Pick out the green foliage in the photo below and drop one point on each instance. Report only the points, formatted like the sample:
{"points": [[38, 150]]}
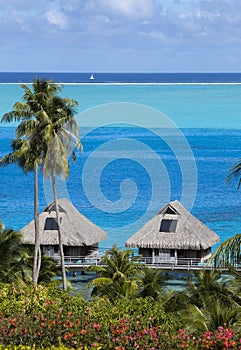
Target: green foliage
{"points": [[48, 270], [228, 253], [208, 302], [14, 257], [103, 311], [205, 284], [118, 278], [46, 316], [37, 317], [25, 298], [16, 261], [152, 283], [210, 317]]}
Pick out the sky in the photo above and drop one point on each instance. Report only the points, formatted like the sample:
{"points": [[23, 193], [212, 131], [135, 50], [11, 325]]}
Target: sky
{"points": [[120, 35]]}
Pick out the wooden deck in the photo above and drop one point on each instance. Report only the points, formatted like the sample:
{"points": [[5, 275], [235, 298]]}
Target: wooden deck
{"points": [[80, 263]]}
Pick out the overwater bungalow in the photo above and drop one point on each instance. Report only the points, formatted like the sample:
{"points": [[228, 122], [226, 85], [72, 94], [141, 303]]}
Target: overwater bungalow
{"points": [[80, 236], [174, 236]]}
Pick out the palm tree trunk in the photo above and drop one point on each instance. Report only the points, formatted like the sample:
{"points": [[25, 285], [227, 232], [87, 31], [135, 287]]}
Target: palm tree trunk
{"points": [[61, 250], [39, 260], [37, 256]]}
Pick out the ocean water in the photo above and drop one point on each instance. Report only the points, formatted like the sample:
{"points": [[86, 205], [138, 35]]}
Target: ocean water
{"points": [[120, 78], [148, 139]]}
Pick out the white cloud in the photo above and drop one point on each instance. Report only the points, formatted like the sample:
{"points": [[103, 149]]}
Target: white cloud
{"points": [[130, 8], [57, 18]]}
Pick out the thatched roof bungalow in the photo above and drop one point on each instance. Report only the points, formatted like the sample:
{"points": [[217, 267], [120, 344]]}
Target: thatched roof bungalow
{"points": [[80, 236], [174, 235]]}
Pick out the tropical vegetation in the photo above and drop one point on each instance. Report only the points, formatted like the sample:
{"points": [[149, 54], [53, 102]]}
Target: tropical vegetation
{"points": [[45, 317], [14, 257], [16, 263], [130, 306]]}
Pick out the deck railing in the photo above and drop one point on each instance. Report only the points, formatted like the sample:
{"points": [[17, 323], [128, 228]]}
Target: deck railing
{"points": [[171, 262], [82, 260], [186, 263], [181, 264]]}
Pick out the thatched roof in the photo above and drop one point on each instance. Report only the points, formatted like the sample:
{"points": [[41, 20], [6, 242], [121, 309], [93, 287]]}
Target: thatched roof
{"points": [[77, 230], [173, 228]]}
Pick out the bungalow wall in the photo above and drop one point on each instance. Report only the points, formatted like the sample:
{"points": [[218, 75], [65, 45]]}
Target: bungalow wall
{"points": [[177, 256], [70, 251], [202, 254]]}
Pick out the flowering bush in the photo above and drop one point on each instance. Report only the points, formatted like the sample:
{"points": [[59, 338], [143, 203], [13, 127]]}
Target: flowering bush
{"points": [[132, 333], [54, 320]]}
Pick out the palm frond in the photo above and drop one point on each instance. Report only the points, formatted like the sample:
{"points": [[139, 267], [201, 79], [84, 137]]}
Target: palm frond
{"points": [[7, 159], [234, 173], [228, 253], [100, 281]]}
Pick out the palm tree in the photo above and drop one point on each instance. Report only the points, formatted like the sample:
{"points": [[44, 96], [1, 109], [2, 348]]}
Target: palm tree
{"points": [[45, 136], [235, 173], [61, 135], [234, 285], [228, 253], [14, 257], [27, 147], [152, 283], [49, 269], [216, 313], [119, 276], [206, 284], [208, 301], [16, 261]]}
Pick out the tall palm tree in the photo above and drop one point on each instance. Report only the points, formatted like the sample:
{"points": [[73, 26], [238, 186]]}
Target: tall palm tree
{"points": [[47, 133], [61, 135], [27, 148], [119, 276]]}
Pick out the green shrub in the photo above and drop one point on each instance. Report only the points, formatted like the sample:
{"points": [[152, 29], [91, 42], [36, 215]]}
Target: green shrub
{"points": [[38, 317]]}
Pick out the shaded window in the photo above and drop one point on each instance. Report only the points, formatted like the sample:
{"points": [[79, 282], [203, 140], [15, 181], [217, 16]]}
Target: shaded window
{"points": [[172, 253], [50, 224], [170, 210], [156, 252], [168, 225]]}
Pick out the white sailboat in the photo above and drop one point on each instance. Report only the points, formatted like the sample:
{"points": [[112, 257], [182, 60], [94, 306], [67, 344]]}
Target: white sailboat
{"points": [[92, 77]]}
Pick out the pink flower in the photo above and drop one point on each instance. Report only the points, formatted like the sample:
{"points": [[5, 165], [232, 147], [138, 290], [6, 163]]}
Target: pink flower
{"points": [[96, 326]]}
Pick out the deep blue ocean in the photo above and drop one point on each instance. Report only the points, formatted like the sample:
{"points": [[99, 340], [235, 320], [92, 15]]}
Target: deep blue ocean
{"points": [[148, 138], [118, 78]]}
